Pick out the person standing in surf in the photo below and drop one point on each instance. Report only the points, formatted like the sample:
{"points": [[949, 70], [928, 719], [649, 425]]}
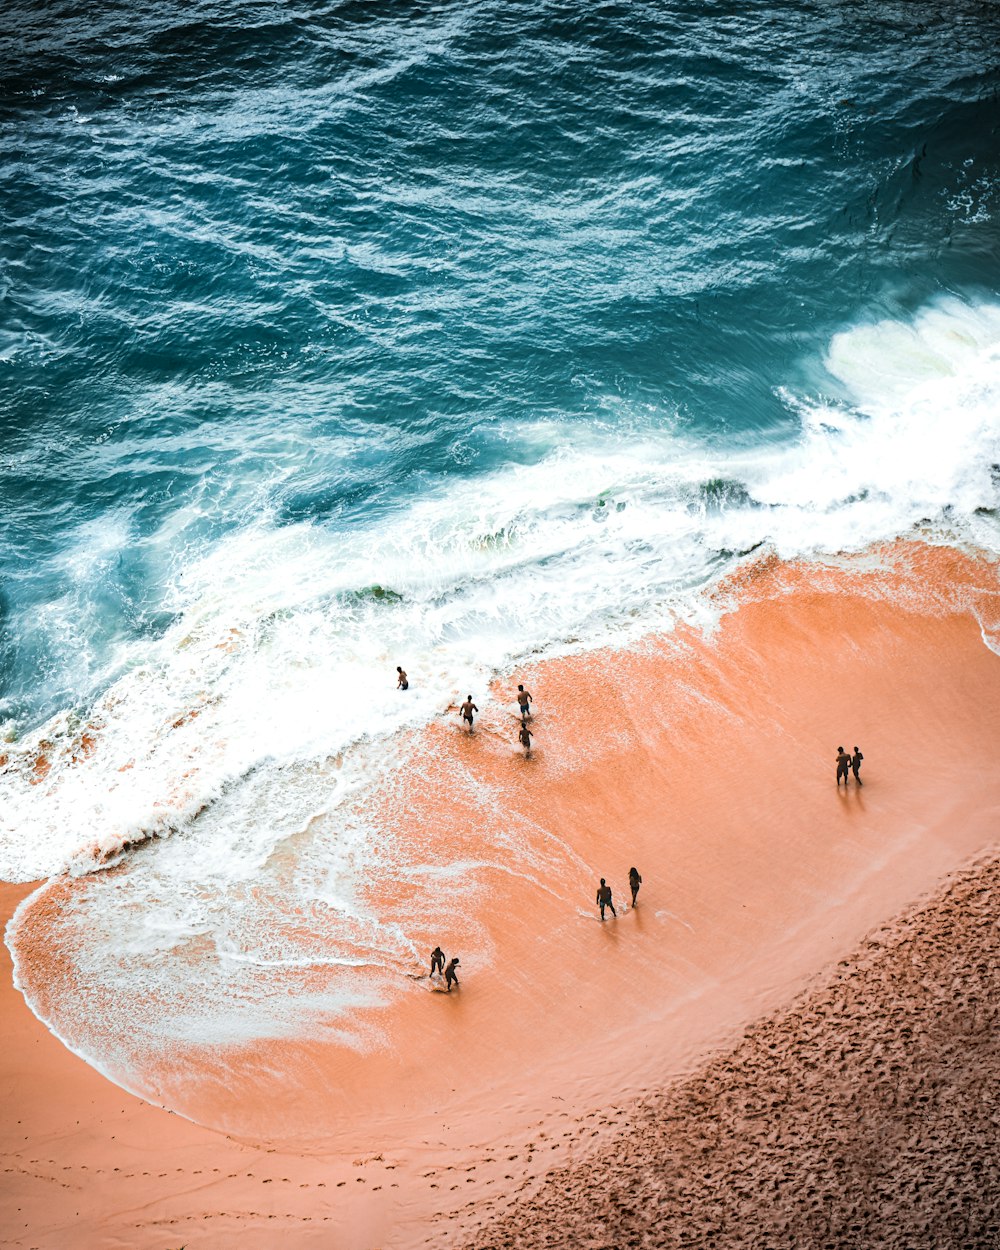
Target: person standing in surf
{"points": [[467, 708], [437, 960], [843, 765], [856, 759], [523, 702], [450, 975], [634, 881], [604, 898], [402, 683], [524, 737]]}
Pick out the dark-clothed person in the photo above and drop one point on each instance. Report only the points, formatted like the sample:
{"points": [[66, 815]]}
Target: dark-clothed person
{"points": [[604, 898]]}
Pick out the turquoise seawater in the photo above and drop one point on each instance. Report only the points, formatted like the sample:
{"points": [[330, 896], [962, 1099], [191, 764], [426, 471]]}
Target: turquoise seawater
{"points": [[343, 336], [311, 264]]}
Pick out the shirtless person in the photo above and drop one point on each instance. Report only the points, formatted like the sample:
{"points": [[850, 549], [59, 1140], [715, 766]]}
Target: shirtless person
{"points": [[437, 960], [523, 701], [604, 898], [402, 683], [524, 737], [843, 765], [467, 708], [856, 759], [450, 974]]}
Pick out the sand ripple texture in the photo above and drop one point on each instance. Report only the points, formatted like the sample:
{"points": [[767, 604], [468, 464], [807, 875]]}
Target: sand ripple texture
{"points": [[867, 1115]]}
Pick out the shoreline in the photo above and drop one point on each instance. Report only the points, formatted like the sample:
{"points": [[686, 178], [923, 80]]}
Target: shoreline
{"points": [[756, 874]]}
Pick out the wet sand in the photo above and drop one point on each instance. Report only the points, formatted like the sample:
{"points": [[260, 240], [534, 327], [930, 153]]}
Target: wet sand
{"points": [[707, 762]]}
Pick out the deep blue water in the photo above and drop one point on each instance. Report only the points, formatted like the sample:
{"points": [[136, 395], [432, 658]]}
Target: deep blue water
{"points": [[277, 265]]}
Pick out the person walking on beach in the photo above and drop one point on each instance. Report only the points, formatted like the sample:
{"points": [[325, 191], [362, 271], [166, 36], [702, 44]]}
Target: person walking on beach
{"points": [[450, 975], [402, 683], [634, 881], [467, 708], [523, 702], [843, 765], [856, 759], [604, 898], [437, 960], [524, 737]]}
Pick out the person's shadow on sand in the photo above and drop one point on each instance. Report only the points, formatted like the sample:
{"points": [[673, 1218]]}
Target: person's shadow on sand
{"points": [[854, 796]]}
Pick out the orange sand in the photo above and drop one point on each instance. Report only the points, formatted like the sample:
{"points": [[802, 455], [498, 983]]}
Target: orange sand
{"points": [[708, 763], [866, 1115]]}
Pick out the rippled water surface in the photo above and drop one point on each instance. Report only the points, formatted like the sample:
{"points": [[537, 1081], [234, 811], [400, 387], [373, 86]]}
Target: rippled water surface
{"points": [[309, 266]]}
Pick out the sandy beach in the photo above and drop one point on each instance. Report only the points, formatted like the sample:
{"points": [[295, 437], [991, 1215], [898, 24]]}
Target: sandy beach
{"points": [[707, 761], [866, 1114]]}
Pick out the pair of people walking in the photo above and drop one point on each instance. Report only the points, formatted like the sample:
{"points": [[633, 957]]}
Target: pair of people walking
{"points": [[604, 897], [438, 966], [847, 763]]}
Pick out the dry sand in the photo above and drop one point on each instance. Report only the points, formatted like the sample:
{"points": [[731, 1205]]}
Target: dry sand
{"points": [[708, 762]]}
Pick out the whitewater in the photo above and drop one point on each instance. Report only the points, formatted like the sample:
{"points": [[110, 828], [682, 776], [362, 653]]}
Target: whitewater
{"points": [[284, 638]]}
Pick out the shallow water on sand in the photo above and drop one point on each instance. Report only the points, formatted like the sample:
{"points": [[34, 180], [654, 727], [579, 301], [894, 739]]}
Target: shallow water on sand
{"points": [[454, 339]]}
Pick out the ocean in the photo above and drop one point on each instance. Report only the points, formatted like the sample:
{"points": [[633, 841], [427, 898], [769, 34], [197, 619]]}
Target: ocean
{"points": [[458, 337]]}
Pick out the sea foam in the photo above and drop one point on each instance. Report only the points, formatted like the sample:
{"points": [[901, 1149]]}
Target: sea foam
{"points": [[284, 638]]}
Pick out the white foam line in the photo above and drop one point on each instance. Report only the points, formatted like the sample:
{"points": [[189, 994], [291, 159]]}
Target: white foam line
{"points": [[93, 1060], [258, 961], [670, 916]]}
